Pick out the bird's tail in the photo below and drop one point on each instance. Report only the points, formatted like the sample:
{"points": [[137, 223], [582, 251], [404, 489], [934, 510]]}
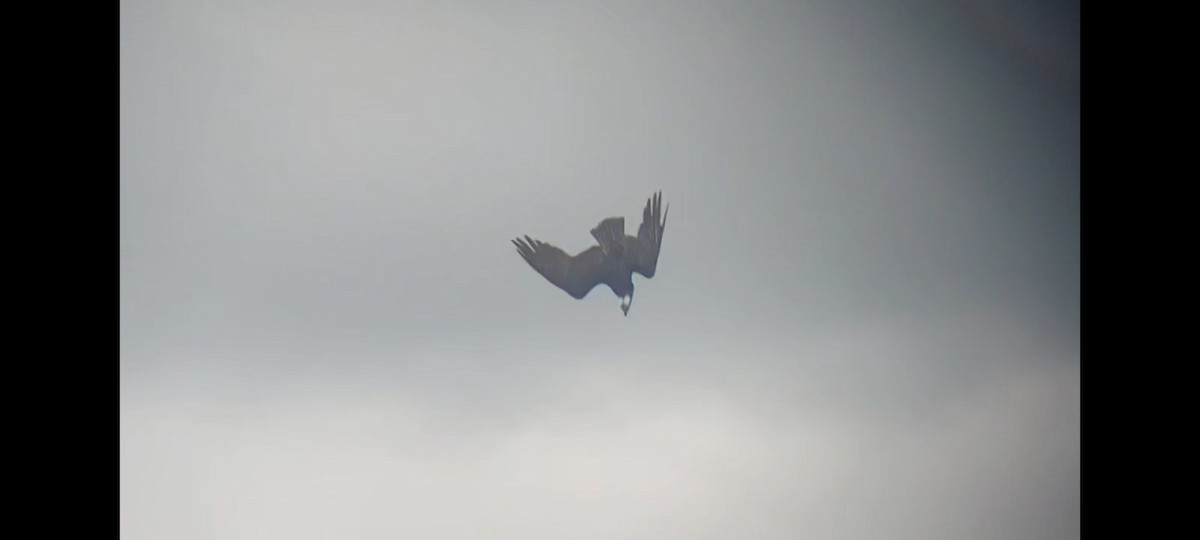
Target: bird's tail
{"points": [[611, 235]]}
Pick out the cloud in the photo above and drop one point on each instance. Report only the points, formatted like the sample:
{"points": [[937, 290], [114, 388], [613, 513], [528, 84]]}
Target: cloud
{"points": [[855, 449]]}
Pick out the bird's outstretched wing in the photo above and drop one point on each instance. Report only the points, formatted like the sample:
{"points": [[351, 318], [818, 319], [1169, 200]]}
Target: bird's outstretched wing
{"points": [[650, 234], [577, 275]]}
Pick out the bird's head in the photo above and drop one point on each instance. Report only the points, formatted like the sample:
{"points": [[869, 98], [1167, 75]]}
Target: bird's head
{"points": [[625, 302]]}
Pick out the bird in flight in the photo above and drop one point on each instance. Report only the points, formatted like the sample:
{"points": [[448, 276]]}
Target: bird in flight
{"points": [[611, 263]]}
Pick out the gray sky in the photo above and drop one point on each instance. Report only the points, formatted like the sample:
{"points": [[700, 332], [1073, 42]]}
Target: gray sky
{"points": [[865, 322]]}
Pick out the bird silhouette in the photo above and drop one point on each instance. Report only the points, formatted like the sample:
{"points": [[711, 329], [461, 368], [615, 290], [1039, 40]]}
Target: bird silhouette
{"points": [[611, 263]]}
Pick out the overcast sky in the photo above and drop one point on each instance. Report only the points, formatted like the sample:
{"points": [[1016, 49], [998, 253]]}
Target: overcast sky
{"points": [[865, 321]]}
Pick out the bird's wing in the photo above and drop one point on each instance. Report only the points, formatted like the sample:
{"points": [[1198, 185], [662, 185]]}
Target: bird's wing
{"points": [[577, 275], [650, 234]]}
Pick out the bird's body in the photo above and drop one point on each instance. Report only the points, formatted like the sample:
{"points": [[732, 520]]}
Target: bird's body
{"points": [[612, 262]]}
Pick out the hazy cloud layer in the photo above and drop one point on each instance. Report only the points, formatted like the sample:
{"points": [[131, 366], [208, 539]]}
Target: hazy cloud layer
{"points": [[865, 321]]}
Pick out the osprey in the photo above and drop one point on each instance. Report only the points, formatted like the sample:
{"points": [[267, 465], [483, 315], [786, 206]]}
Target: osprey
{"points": [[612, 263]]}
